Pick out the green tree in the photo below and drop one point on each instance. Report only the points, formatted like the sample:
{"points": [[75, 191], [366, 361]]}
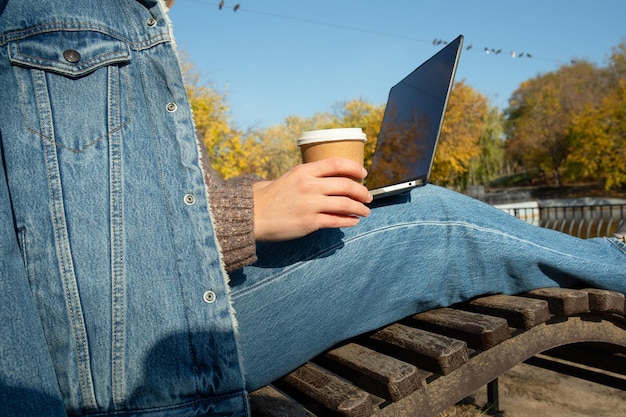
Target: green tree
{"points": [[489, 164]]}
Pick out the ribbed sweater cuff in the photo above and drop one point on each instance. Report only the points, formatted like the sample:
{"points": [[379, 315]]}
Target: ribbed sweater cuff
{"points": [[232, 205]]}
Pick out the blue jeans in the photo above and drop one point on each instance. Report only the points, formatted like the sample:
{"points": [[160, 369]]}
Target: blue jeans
{"points": [[430, 248]]}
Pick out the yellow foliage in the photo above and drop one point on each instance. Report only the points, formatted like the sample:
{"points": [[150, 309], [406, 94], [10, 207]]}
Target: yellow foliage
{"points": [[229, 153], [566, 122], [462, 128], [367, 116], [541, 113], [279, 143], [271, 152], [599, 139]]}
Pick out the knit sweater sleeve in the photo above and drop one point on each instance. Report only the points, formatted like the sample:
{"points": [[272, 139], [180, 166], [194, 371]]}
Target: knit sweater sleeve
{"points": [[232, 207]]}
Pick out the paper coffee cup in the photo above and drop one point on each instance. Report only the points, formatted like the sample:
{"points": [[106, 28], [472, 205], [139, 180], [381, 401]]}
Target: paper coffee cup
{"points": [[333, 143]]}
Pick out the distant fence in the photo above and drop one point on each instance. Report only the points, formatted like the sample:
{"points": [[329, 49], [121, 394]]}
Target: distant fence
{"points": [[584, 221]]}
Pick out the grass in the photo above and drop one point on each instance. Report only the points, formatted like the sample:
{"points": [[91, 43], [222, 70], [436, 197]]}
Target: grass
{"points": [[463, 410]]}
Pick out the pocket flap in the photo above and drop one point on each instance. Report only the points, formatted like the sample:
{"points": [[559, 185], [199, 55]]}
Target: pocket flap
{"points": [[69, 53]]}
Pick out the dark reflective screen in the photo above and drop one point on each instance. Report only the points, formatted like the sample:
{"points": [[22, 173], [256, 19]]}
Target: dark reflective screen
{"points": [[412, 121]]}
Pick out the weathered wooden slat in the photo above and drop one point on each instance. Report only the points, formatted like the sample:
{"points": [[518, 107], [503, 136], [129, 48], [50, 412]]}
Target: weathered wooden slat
{"points": [[431, 351], [563, 302], [399, 378], [269, 402], [478, 330], [332, 393], [519, 312], [606, 301]]}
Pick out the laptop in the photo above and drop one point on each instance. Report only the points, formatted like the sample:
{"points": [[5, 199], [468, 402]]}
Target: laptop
{"points": [[411, 125]]}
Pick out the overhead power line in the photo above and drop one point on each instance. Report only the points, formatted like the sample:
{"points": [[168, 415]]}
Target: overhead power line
{"points": [[487, 50]]}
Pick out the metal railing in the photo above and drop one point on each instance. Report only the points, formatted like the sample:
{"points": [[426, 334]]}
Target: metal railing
{"points": [[584, 221]]}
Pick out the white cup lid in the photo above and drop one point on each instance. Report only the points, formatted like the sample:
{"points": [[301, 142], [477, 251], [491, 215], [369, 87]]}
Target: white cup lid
{"points": [[330, 135]]}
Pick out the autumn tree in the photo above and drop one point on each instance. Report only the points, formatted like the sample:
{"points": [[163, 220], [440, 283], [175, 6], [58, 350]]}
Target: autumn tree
{"points": [[272, 151], [277, 148], [468, 121], [541, 112], [617, 63], [368, 116], [599, 140], [463, 126], [229, 152], [279, 143], [598, 134]]}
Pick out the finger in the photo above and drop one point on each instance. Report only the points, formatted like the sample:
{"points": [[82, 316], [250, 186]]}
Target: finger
{"points": [[336, 221], [341, 186], [345, 206], [333, 167]]}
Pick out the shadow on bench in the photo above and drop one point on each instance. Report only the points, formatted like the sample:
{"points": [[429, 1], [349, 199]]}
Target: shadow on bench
{"points": [[425, 363]]}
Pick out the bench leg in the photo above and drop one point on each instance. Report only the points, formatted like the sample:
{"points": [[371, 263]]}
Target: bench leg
{"points": [[493, 401]]}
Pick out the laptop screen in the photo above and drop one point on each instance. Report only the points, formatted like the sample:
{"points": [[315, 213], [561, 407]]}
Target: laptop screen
{"points": [[412, 121]]}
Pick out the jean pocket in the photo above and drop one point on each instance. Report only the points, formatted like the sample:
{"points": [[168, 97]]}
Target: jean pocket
{"points": [[74, 86]]}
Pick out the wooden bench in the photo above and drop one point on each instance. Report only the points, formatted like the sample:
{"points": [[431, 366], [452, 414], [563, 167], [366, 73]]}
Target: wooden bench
{"points": [[424, 364]]}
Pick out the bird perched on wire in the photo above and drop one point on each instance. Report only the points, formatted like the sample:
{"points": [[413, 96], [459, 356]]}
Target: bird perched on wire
{"points": [[221, 5], [236, 7]]}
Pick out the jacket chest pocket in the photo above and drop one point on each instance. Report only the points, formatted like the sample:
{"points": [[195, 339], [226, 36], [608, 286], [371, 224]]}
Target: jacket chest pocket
{"points": [[74, 86]]}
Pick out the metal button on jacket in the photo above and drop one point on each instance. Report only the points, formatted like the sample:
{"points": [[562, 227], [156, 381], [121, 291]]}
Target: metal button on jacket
{"points": [[71, 55], [209, 297], [189, 199]]}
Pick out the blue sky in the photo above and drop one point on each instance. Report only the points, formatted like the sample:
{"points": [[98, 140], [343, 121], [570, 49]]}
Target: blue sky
{"points": [[276, 58]]}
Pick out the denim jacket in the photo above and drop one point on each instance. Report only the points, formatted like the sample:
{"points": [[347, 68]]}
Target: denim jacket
{"points": [[114, 297]]}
